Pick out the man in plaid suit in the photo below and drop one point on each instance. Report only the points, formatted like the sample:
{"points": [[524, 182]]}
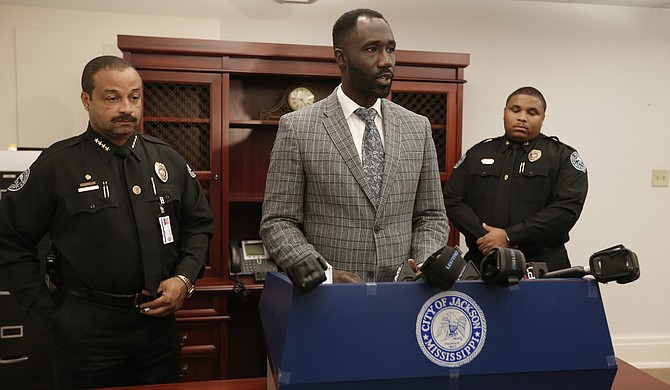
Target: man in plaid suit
{"points": [[319, 207]]}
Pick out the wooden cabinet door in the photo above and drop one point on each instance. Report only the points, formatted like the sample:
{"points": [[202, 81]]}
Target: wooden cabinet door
{"points": [[184, 110]]}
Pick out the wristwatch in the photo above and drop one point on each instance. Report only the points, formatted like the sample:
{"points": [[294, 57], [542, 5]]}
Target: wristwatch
{"points": [[190, 287]]}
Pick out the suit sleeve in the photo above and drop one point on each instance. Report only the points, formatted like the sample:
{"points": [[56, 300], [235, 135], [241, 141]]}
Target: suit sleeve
{"points": [[430, 228], [282, 218]]}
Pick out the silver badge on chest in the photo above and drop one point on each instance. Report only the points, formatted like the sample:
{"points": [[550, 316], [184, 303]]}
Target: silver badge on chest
{"points": [[161, 171]]}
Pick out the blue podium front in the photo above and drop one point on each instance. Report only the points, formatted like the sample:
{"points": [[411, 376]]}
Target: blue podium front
{"points": [[547, 334]]}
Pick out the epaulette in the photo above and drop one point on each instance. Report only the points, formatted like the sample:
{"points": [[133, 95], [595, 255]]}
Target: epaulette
{"points": [[59, 146], [153, 140], [555, 139], [485, 141]]}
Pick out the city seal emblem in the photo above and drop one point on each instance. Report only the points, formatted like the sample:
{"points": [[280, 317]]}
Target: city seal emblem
{"points": [[451, 329]]}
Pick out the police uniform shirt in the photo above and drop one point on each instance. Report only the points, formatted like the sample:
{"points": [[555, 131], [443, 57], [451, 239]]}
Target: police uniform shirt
{"points": [[75, 191], [535, 194]]}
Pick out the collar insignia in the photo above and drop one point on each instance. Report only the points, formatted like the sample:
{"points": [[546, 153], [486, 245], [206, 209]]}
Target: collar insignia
{"points": [[101, 144]]}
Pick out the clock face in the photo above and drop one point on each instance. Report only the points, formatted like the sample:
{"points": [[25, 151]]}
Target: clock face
{"points": [[300, 97]]}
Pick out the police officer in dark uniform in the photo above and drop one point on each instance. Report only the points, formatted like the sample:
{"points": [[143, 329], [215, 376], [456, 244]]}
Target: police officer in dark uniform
{"points": [[522, 190], [131, 227]]}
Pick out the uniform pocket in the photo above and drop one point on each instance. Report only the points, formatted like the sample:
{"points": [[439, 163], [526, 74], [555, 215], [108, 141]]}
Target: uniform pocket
{"points": [[88, 203], [483, 180], [535, 184]]}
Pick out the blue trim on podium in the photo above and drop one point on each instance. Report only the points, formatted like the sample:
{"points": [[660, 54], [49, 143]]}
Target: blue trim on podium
{"points": [[549, 333]]}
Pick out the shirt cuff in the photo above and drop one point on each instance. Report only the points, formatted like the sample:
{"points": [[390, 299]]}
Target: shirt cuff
{"points": [[329, 274]]}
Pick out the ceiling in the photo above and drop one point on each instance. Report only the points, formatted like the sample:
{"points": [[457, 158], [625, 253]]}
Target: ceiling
{"points": [[208, 8], [625, 3], [252, 8]]}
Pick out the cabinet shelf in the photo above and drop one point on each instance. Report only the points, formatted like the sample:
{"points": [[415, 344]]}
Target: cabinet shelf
{"points": [[161, 119], [246, 198], [252, 123]]}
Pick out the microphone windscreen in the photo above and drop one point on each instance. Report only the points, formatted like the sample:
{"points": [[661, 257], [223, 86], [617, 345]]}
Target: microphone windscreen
{"points": [[443, 267], [503, 266], [307, 273]]}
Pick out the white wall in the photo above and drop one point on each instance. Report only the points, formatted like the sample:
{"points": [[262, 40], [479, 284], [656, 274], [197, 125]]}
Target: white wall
{"points": [[603, 70]]}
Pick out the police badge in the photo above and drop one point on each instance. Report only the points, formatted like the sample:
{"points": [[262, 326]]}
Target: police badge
{"points": [[161, 171]]}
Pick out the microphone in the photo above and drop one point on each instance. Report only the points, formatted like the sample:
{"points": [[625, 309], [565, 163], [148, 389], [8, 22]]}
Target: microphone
{"points": [[441, 269], [444, 267], [503, 266], [616, 263]]}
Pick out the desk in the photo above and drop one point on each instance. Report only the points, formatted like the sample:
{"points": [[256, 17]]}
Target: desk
{"points": [[627, 378]]}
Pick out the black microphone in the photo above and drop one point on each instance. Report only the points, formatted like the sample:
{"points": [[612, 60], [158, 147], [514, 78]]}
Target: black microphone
{"points": [[616, 263], [503, 266], [572, 272], [444, 267], [441, 269]]}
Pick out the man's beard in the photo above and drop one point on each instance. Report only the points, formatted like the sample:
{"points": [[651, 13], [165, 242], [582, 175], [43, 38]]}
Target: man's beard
{"points": [[368, 85]]}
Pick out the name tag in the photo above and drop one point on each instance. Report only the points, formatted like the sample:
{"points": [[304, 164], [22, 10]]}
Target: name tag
{"points": [[166, 229]]}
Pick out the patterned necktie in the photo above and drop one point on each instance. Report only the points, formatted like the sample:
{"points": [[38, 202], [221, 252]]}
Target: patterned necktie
{"points": [[144, 220], [373, 152]]}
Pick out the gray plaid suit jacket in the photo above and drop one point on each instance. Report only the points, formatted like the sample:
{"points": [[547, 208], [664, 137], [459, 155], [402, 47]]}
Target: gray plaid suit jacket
{"points": [[317, 200]]}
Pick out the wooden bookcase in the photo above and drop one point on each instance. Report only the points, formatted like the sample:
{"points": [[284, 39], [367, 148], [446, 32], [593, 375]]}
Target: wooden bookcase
{"points": [[205, 98]]}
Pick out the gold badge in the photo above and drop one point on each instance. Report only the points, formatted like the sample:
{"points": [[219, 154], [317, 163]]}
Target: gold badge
{"points": [[161, 171], [534, 155]]}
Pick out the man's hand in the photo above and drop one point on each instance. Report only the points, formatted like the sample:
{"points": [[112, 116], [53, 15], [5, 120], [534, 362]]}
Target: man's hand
{"points": [[345, 277], [494, 237], [414, 267], [171, 296]]}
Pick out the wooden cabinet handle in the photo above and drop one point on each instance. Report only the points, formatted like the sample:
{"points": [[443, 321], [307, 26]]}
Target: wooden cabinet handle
{"points": [[14, 361], [184, 339], [183, 370]]}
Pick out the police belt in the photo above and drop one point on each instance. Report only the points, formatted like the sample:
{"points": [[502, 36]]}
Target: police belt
{"points": [[116, 300]]}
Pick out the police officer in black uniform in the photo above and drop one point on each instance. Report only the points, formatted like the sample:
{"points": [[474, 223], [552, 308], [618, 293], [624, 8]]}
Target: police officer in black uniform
{"points": [[522, 190], [131, 227]]}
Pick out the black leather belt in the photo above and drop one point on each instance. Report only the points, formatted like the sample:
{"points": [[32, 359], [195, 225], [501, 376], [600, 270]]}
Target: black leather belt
{"points": [[116, 300]]}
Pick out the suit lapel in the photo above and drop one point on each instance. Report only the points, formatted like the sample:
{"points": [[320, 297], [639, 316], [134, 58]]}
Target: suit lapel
{"points": [[392, 142], [338, 130]]}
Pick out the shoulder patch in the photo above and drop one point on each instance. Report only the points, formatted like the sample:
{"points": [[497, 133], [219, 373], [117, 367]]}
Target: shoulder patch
{"points": [[577, 162], [20, 181], [459, 162], [190, 171]]}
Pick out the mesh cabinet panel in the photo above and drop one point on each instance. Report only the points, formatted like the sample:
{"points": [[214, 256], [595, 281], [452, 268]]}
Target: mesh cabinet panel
{"points": [[432, 106], [179, 115]]}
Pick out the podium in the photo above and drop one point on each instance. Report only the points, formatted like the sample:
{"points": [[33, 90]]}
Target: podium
{"points": [[537, 334]]}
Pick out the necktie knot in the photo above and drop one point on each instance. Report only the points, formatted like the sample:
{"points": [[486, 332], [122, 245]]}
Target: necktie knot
{"points": [[123, 152], [366, 114]]}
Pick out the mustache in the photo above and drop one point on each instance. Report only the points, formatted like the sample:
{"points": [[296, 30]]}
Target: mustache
{"points": [[124, 118]]}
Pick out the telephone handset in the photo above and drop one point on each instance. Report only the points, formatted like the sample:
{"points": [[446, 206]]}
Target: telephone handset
{"points": [[249, 257]]}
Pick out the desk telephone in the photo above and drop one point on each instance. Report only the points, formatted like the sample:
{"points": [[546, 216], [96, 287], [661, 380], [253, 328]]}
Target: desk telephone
{"points": [[249, 257]]}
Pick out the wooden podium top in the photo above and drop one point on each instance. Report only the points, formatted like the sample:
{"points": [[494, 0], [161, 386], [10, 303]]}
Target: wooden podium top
{"points": [[627, 378]]}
